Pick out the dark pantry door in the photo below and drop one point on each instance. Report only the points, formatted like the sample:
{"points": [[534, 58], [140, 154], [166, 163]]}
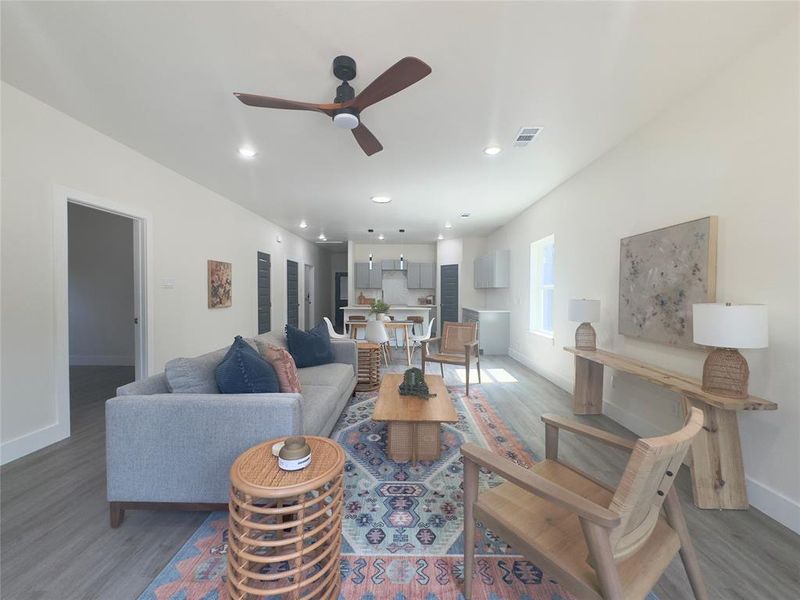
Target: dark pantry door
{"points": [[264, 293], [292, 294], [449, 300]]}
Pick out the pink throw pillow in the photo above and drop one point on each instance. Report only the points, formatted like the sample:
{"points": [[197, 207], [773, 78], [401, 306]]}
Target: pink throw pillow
{"points": [[284, 366]]}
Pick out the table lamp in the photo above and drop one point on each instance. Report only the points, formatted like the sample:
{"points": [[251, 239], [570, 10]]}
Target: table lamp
{"points": [[728, 327], [585, 312]]}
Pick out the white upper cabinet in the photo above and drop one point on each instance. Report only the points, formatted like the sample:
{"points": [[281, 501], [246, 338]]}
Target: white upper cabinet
{"points": [[492, 270]]}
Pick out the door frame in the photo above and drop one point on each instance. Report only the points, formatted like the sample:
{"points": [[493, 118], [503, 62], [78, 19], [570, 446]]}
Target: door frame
{"points": [[309, 295], [337, 292], [259, 254], [144, 337], [299, 263], [441, 294]]}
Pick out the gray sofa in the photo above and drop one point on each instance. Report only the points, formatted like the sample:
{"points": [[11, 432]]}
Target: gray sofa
{"points": [[175, 450]]}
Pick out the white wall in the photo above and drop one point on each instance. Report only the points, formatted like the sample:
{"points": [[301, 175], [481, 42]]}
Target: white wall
{"points": [[43, 148], [461, 252], [101, 307], [729, 149], [381, 251]]}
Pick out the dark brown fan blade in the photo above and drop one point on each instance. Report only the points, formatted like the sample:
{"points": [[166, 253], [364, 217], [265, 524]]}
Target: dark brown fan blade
{"points": [[399, 76], [267, 102], [368, 142]]}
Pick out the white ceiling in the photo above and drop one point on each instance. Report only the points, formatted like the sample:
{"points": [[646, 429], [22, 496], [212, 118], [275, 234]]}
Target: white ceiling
{"points": [[159, 78]]}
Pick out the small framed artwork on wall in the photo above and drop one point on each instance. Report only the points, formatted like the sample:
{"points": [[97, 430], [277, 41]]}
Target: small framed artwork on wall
{"points": [[661, 274], [219, 284]]}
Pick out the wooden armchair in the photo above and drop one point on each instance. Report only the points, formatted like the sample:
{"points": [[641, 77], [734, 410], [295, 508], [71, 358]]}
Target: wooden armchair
{"points": [[457, 346], [600, 543]]}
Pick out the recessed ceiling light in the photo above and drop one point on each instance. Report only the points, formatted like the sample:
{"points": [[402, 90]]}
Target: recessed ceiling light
{"points": [[464, 215], [246, 152], [492, 150], [441, 237], [448, 225], [380, 236], [303, 224], [321, 236], [381, 199]]}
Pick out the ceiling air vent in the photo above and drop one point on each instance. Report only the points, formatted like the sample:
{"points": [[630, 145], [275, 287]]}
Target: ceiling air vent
{"points": [[526, 135]]}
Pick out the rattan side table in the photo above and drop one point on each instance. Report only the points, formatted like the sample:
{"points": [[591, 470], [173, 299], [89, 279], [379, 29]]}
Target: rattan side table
{"points": [[369, 367], [285, 528]]}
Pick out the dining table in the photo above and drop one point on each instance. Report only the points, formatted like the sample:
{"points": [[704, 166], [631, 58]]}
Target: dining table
{"points": [[405, 326]]}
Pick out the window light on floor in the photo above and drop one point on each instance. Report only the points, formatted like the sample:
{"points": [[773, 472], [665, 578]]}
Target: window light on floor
{"points": [[487, 376]]}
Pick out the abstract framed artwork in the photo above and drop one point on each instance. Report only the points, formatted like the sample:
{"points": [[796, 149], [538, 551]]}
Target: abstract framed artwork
{"points": [[661, 274], [220, 284]]}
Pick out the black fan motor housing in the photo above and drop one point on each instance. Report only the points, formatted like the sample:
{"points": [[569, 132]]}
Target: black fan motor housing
{"points": [[344, 93], [344, 68]]}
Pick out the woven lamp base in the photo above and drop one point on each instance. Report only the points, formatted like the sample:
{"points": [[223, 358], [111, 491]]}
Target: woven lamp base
{"points": [[726, 373], [585, 337]]}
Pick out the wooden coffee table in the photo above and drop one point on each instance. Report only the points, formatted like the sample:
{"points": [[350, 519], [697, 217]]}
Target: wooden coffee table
{"points": [[414, 423]]}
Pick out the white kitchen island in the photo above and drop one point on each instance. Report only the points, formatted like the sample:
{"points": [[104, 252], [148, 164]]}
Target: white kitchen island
{"points": [[400, 312]]}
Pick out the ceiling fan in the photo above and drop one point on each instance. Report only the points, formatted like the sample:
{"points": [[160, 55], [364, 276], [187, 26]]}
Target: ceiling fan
{"points": [[347, 106]]}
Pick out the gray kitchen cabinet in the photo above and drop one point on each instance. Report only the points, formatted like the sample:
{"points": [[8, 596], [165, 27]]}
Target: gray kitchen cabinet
{"points": [[494, 329], [375, 277], [427, 276], [492, 270], [412, 275], [421, 276], [388, 264], [366, 279]]}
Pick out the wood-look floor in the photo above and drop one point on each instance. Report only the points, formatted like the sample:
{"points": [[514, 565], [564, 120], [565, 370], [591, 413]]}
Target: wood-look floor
{"points": [[57, 544]]}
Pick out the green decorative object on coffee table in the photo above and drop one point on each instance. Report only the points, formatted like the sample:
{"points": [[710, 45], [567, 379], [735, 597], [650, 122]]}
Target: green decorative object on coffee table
{"points": [[414, 384]]}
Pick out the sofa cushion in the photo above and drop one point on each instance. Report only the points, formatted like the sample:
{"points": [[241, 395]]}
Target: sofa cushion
{"points": [[244, 371], [264, 340], [338, 375], [284, 366], [319, 401], [194, 375], [309, 348]]}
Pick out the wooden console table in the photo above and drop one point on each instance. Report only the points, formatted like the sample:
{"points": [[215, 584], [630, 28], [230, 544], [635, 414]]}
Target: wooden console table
{"points": [[716, 456]]}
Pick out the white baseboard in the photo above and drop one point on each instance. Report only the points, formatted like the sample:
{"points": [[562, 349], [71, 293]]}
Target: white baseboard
{"points": [[104, 360], [769, 501], [774, 504], [562, 382], [31, 442]]}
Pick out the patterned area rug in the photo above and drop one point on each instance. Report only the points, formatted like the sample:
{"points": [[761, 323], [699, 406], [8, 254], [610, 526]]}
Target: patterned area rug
{"points": [[403, 525]]}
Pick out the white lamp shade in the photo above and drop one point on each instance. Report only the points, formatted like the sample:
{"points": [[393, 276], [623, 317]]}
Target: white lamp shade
{"points": [[730, 325], [584, 311]]}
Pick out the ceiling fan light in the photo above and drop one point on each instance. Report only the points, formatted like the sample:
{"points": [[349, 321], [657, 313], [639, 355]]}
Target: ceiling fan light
{"points": [[345, 120]]}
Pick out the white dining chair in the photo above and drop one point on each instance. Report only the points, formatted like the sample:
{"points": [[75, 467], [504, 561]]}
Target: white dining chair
{"points": [[332, 331], [376, 333], [416, 340]]}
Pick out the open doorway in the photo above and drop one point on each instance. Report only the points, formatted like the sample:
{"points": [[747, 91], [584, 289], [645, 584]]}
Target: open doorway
{"points": [[103, 306], [308, 290]]}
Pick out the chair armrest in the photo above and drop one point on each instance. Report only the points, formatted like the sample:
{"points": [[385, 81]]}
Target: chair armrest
{"points": [[345, 351], [589, 431], [539, 486], [433, 339]]}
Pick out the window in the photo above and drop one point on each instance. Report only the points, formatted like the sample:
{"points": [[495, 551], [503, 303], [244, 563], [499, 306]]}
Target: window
{"points": [[542, 284]]}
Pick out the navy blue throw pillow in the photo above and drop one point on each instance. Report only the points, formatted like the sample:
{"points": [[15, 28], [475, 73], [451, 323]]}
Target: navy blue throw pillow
{"points": [[309, 348], [243, 371]]}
